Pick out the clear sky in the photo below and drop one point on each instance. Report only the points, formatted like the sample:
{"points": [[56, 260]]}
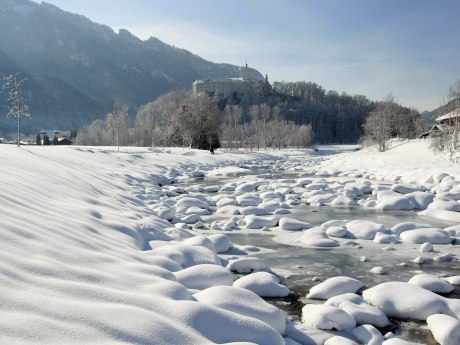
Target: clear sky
{"points": [[409, 48]]}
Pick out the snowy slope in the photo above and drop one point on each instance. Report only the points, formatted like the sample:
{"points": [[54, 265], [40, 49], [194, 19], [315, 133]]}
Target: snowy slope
{"points": [[73, 223], [410, 161]]}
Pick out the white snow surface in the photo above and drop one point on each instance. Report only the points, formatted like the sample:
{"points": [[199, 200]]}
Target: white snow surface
{"points": [[93, 250], [76, 223]]}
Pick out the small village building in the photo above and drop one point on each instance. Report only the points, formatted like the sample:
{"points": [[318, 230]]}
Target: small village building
{"points": [[446, 123]]}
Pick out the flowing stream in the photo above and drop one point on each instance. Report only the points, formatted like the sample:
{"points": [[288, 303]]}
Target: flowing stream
{"points": [[300, 265]]}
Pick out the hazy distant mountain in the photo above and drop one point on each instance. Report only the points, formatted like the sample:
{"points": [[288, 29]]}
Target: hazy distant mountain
{"points": [[77, 68], [430, 116]]}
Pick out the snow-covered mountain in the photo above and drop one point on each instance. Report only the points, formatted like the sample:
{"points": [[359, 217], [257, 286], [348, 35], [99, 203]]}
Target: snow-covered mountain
{"points": [[77, 68]]}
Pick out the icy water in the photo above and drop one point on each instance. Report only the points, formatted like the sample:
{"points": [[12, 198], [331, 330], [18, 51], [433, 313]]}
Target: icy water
{"points": [[299, 265]]}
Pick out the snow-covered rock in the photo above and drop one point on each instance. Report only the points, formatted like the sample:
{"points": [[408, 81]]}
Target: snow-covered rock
{"points": [[431, 282], [431, 235], [336, 231], [259, 222], [246, 265], [326, 317], [201, 277], [222, 243], [407, 301], [395, 203], [293, 224], [401, 227], [368, 334], [364, 229], [445, 329], [263, 284], [335, 286], [316, 238], [364, 313], [243, 302]]}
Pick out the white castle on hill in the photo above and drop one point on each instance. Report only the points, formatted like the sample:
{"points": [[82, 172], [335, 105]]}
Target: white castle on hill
{"points": [[230, 86]]}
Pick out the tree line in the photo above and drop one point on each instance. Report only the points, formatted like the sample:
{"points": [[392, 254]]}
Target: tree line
{"points": [[287, 114]]}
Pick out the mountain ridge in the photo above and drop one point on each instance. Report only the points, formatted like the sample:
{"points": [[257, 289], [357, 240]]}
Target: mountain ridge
{"points": [[92, 62]]}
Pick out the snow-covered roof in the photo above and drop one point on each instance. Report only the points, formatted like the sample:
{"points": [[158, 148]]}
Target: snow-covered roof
{"points": [[453, 114]]}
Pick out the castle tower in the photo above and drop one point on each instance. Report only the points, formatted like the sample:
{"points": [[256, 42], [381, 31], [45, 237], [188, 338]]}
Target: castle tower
{"points": [[245, 72]]}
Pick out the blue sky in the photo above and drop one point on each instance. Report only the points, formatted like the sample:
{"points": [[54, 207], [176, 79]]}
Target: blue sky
{"points": [[409, 48]]}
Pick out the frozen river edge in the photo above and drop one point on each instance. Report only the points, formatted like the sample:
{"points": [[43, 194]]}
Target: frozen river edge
{"points": [[119, 243]]}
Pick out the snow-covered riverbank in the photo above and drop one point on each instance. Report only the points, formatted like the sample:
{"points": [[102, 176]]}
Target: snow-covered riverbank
{"points": [[96, 245]]}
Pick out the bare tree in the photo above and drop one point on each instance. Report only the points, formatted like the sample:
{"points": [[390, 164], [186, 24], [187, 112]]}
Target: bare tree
{"points": [[381, 122], [117, 123], [256, 123], [17, 107]]}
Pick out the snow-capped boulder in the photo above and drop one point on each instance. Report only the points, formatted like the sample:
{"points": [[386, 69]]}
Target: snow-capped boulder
{"points": [[445, 329], [258, 222], [201, 277], [395, 203], [431, 282], [364, 229], [421, 200], [246, 265], [404, 188], [401, 227], [316, 238], [364, 313], [326, 317], [336, 231], [432, 235], [222, 242], [263, 284], [454, 280], [407, 301], [368, 335], [293, 224], [243, 302], [335, 286]]}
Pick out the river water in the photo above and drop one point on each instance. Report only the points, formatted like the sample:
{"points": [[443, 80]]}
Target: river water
{"points": [[298, 266]]}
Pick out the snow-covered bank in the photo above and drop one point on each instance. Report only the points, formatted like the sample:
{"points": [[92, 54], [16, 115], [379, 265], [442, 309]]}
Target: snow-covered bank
{"points": [[73, 226]]}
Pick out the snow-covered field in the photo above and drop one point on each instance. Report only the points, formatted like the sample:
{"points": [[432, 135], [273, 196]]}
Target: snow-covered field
{"points": [[101, 247]]}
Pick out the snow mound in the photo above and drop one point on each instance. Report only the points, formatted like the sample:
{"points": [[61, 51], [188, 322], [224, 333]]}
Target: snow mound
{"points": [[259, 222], [222, 243], [243, 302], [401, 227], [201, 277], [364, 229], [246, 265], [316, 238], [263, 284], [431, 235], [368, 334], [335, 286], [445, 329], [431, 282], [293, 224], [395, 203], [407, 301], [364, 313], [326, 317]]}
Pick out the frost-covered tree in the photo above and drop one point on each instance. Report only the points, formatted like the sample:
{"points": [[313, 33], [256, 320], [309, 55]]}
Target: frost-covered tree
{"points": [[154, 118], [17, 108], [381, 122], [117, 123], [196, 124]]}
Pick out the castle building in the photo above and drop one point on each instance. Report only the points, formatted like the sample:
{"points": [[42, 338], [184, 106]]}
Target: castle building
{"points": [[228, 86]]}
